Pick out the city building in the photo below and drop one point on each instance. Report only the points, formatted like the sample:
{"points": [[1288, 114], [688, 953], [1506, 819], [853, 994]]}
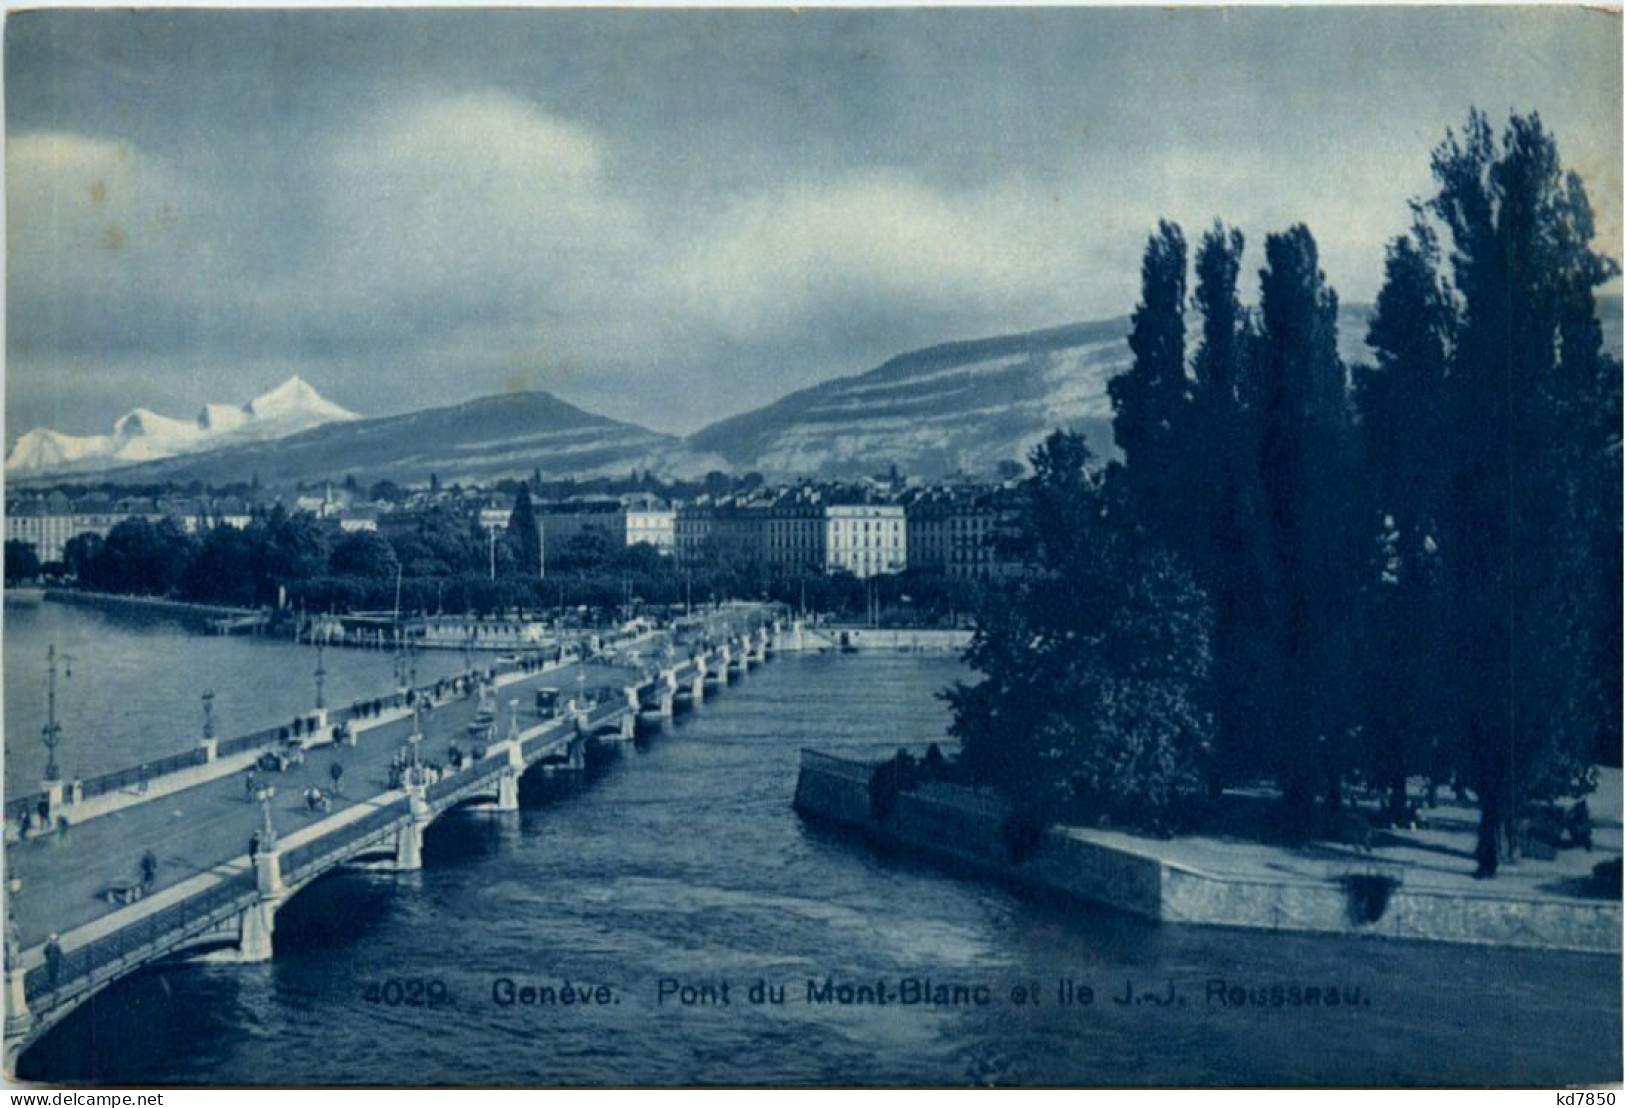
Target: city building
{"points": [[865, 539], [495, 513], [358, 519], [652, 524], [48, 524], [795, 531], [692, 530], [738, 534], [929, 515], [974, 529], [561, 523]]}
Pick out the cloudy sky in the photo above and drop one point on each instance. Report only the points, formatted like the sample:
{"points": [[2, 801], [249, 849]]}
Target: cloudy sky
{"points": [[669, 217]]}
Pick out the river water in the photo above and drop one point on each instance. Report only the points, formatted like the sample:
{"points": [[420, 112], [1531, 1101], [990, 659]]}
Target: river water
{"points": [[137, 677], [679, 865]]}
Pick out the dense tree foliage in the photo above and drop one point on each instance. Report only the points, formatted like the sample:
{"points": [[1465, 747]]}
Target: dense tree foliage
{"points": [[1531, 514], [1093, 663], [1305, 474], [524, 537], [364, 554], [1408, 568], [22, 563]]}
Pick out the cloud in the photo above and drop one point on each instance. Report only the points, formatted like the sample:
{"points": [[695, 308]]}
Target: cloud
{"points": [[865, 243], [100, 235], [472, 195], [464, 242]]}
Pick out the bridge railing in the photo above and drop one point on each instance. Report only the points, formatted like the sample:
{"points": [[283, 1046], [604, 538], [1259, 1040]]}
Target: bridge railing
{"points": [[80, 969], [304, 860], [263, 737], [21, 807], [143, 773], [463, 780]]}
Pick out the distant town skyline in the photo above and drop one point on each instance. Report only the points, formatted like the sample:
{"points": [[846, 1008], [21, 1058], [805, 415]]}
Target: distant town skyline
{"points": [[670, 217]]}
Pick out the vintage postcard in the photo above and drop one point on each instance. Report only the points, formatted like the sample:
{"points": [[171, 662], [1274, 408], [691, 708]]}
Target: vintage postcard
{"points": [[826, 547]]}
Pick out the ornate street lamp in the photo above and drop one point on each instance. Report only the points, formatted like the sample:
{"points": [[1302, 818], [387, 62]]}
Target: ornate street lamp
{"points": [[14, 941], [264, 795], [51, 733]]}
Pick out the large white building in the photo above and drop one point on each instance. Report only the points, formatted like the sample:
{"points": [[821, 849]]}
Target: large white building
{"points": [[655, 526], [865, 539], [49, 531]]}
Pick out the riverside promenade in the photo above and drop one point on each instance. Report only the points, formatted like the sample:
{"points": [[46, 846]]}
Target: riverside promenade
{"points": [[1409, 885], [216, 895]]}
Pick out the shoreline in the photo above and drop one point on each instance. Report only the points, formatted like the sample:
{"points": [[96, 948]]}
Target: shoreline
{"points": [[91, 599], [1149, 878]]}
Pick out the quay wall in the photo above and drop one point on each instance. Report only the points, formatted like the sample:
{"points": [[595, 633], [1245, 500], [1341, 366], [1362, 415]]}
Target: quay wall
{"points": [[963, 827], [89, 598], [832, 637]]}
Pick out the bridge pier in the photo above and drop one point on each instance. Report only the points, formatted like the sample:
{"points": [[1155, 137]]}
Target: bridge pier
{"points": [[629, 720], [19, 1020], [508, 779], [668, 694], [508, 791], [257, 925], [409, 839]]}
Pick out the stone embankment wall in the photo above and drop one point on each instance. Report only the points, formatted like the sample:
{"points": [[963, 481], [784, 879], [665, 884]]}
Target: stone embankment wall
{"points": [[964, 827], [831, 637]]}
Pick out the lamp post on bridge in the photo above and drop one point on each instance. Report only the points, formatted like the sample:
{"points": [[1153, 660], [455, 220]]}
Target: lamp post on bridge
{"points": [[413, 742], [14, 942], [51, 733], [18, 1019], [264, 794], [321, 678]]}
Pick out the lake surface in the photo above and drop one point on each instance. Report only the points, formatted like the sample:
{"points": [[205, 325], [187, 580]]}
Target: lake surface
{"points": [[681, 862], [137, 678]]}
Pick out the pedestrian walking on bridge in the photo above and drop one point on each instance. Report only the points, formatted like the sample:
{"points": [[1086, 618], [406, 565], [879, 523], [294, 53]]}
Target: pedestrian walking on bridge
{"points": [[53, 959]]}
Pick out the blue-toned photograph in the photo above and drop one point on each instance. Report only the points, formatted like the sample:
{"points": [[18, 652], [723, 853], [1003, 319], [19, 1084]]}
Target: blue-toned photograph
{"points": [[840, 548]]}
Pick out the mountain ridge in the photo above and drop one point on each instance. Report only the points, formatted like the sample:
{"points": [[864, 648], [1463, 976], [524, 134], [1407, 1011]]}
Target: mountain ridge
{"points": [[483, 438], [143, 435], [965, 406]]}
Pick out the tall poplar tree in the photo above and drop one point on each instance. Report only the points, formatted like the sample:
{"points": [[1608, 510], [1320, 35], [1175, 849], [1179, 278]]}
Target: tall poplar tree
{"points": [[1531, 515], [1221, 537], [524, 537], [1304, 477], [1404, 449], [1151, 398]]}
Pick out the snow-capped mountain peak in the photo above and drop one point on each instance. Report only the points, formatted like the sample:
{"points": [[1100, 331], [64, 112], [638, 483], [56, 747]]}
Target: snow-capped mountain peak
{"points": [[142, 434], [221, 417], [294, 396]]}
